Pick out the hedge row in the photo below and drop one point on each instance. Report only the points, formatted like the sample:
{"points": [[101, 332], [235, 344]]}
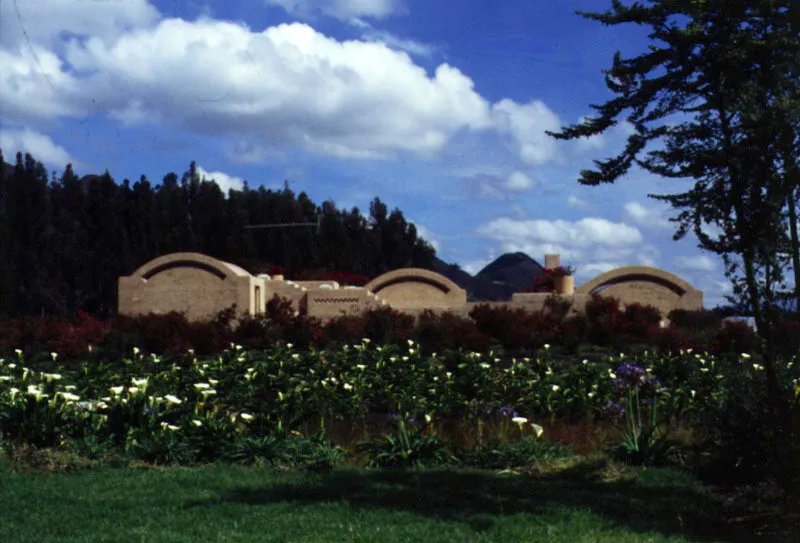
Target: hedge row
{"points": [[604, 325]]}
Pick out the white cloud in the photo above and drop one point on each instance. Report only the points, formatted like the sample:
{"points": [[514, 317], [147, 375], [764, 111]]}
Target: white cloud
{"points": [[40, 146], [352, 11], [586, 239], [247, 152], [425, 233], [527, 123], [34, 85], [577, 203], [519, 182], [46, 22], [287, 85], [695, 263], [224, 180], [589, 271], [412, 47], [474, 266], [647, 217]]}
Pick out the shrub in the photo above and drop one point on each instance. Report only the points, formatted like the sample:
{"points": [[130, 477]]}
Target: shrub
{"points": [[694, 320], [438, 332], [787, 336], [383, 325], [735, 337], [515, 328], [637, 321], [740, 425], [70, 338], [517, 454], [603, 315], [404, 449], [170, 333], [672, 340]]}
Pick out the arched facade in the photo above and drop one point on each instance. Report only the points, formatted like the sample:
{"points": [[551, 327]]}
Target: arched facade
{"points": [[645, 285], [415, 288], [194, 284]]}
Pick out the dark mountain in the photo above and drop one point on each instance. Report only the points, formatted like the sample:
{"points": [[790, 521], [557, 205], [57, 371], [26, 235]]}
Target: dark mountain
{"points": [[455, 274], [509, 273]]}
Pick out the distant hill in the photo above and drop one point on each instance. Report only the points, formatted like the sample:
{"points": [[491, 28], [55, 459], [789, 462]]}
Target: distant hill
{"points": [[498, 281]]}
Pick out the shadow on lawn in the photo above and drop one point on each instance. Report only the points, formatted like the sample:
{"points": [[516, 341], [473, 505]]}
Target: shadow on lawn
{"points": [[474, 497]]}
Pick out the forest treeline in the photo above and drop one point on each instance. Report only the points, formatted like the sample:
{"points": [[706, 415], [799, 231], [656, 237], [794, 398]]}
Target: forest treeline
{"points": [[64, 240]]}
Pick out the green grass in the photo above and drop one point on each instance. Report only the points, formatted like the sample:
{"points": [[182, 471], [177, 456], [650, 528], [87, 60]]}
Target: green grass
{"points": [[581, 502]]}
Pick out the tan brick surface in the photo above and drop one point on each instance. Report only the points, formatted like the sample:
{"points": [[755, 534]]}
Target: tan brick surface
{"points": [[199, 286]]}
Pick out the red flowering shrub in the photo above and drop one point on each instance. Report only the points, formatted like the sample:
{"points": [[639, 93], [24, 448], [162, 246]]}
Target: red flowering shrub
{"points": [[69, 338], [787, 336], [694, 320], [575, 332], [437, 332], [383, 326], [170, 333], [516, 328], [277, 323], [636, 321], [735, 337], [673, 339], [603, 314], [557, 307], [75, 337]]}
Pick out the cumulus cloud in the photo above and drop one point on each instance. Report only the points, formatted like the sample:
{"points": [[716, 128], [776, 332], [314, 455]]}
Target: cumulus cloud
{"points": [[225, 181], [47, 22], [647, 217], [352, 11], [585, 239], [287, 85], [34, 85], [40, 146], [527, 124]]}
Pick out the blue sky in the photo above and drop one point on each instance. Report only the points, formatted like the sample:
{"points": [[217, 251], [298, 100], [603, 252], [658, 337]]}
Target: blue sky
{"points": [[438, 111]]}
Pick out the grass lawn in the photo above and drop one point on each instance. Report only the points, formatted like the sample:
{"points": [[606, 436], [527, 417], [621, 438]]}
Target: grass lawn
{"points": [[229, 503]]}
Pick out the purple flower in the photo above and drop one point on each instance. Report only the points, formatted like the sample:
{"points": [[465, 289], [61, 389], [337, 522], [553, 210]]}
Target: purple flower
{"points": [[629, 377]]}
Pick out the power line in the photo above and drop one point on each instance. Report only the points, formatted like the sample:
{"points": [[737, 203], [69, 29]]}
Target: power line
{"points": [[318, 224]]}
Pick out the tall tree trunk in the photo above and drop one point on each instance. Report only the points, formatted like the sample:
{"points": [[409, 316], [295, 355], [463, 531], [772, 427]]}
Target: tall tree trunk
{"points": [[779, 408], [790, 170]]}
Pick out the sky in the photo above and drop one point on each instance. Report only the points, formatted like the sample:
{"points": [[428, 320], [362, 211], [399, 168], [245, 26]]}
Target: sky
{"points": [[440, 112]]}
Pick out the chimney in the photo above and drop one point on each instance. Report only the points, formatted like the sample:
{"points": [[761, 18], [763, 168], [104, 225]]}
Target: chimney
{"points": [[552, 261]]}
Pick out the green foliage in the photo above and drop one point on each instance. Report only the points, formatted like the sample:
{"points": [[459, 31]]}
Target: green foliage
{"points": [[404, 448], [249, 406], [49, 231], [518, 454]]}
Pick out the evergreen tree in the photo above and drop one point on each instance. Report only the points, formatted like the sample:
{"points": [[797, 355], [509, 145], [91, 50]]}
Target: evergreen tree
{"points": [[715, 100]]}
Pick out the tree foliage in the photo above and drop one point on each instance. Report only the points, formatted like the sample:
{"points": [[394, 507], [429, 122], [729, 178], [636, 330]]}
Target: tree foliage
{"points": [[64, 242], [716, 99]]}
